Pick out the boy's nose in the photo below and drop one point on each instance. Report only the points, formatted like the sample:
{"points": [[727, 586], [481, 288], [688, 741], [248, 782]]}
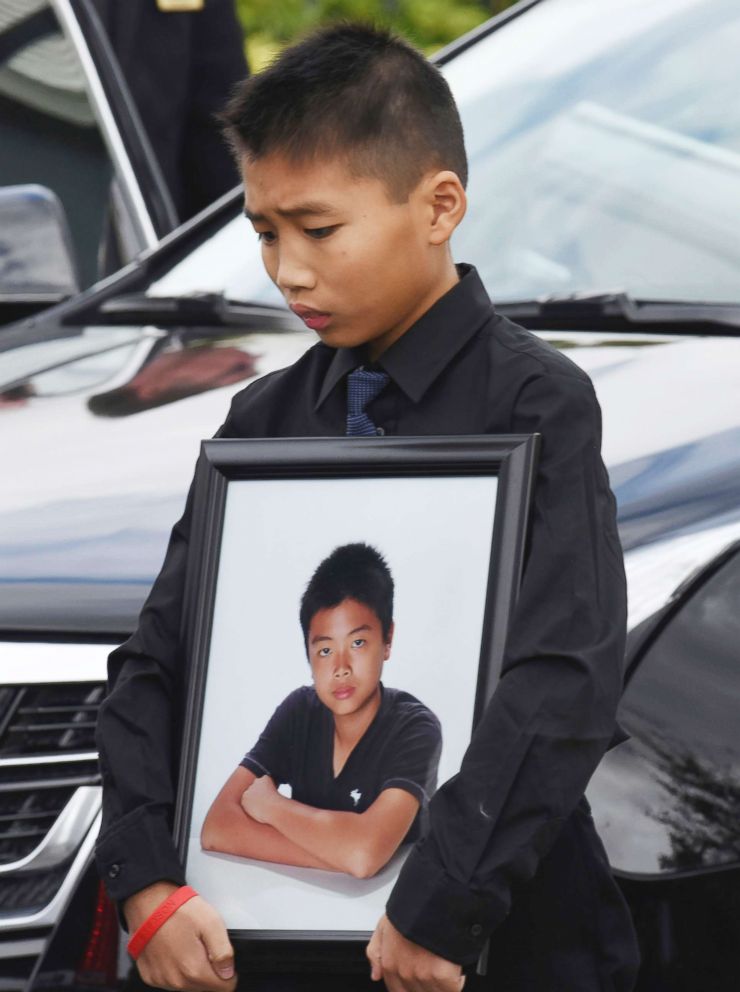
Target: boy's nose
{"points": [[292, 274], [341, 667]]}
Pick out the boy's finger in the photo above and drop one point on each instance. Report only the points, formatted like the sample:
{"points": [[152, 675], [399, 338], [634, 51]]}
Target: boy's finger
{"points": [[373, 952], [376, 967], [218, 948]]}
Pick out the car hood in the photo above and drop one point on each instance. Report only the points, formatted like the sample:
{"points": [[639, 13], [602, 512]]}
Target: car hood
{"points": [[671, 438], [91, 490]]}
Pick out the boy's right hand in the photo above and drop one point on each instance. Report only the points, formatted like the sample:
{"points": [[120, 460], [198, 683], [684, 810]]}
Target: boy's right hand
{"points": [[190, 952]]}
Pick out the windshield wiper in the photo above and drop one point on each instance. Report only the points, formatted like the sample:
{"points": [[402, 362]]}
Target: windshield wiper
{"points": [[197, 310], [618, 310]]}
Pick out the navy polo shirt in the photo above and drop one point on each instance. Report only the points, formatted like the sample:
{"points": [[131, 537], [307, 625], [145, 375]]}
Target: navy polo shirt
{"points": [[399, 750]]}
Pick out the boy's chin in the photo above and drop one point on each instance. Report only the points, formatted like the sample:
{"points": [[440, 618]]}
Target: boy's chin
{"points": [[342, 337], [338, 339]]}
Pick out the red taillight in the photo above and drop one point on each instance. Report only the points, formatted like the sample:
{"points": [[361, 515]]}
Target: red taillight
{"points": [[99, 963]]}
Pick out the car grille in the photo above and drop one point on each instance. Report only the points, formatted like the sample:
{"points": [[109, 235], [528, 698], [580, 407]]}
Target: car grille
{"points": [[49, 787], [48, 719], [29, 892], [32, 797]]}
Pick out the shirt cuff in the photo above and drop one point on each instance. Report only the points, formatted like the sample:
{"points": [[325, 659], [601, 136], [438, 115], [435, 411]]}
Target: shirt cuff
{"points": [[441, 914], [136, 852]]}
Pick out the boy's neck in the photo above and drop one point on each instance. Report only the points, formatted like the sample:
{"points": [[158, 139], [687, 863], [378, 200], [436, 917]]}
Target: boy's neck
{"points": [[447, 280], [349, 728]]}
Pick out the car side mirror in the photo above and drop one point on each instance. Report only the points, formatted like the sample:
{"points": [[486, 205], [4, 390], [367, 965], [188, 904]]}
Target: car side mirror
{"points": [[36, 256]]}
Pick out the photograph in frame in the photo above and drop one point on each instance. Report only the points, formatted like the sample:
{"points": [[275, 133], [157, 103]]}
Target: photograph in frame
{"points": [[326, 576]]}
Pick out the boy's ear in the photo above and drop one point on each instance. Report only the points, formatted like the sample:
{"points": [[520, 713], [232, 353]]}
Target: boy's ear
{"points": [[445, 196], [389, 641]]}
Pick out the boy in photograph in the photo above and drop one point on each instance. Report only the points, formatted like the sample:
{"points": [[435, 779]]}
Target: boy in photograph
{"points": [[361, 759], [354, 167]]}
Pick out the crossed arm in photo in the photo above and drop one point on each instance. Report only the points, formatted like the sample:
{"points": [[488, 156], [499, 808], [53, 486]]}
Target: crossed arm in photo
{"points": [[250, 818]]}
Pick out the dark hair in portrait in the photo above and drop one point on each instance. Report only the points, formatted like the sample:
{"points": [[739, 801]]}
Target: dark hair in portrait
{"points": [[352, 571], [357, 93]]}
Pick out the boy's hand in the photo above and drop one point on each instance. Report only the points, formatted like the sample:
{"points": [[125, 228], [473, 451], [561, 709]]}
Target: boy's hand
{"points": [[259, 798], [190, 952], [407, 967]]}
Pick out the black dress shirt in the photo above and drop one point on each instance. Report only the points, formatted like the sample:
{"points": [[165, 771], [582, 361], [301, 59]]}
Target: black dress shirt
{"points": [[461, 369]]}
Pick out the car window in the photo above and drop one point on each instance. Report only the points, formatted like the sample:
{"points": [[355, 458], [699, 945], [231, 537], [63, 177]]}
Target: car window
{"points": [[229, 262], [604, 147], [48, 132], [669, 799]]}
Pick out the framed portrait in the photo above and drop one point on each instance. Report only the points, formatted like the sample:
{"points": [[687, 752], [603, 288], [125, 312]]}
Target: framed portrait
{"points": [[346, 604]]}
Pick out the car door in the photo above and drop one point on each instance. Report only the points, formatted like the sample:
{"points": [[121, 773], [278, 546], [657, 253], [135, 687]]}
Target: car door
{"points": [[667, 802]]}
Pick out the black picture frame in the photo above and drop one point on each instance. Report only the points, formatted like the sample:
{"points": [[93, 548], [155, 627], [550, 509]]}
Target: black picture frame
{"points": [[510, 459]]}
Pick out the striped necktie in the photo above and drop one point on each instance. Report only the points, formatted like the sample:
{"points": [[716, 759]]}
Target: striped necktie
{"points": [[363, 385]]}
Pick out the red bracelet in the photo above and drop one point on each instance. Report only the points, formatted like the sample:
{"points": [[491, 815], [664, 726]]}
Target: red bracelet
{"points": [[160, 915]]}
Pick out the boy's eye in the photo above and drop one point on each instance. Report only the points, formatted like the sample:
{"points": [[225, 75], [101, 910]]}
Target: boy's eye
{"points": [[358, 642], [324, 652], [320, 232], [267, 237]]}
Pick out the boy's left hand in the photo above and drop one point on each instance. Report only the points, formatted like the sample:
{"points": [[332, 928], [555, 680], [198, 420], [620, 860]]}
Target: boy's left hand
{"points": [[259, 797], [407, 967]]}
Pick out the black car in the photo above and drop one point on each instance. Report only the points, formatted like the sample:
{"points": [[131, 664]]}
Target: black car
{"points": [[604, 141]]}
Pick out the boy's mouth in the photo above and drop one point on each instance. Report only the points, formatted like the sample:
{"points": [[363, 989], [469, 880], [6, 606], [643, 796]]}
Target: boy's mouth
{"points": [[315, 319], [344, 692]]}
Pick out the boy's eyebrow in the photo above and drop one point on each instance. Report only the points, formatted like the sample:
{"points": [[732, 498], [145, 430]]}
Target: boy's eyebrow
{"points": [[312, 207]]}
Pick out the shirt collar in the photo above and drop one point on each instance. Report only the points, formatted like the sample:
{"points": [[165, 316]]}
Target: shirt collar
{"points": [[423, 352]]}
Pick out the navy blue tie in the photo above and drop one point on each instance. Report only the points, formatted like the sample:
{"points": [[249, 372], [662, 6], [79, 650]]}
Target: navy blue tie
{"points": [[363, 385]]}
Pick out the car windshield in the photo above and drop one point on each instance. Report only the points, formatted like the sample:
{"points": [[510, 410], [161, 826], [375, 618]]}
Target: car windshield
{"points": [[604, 145]]}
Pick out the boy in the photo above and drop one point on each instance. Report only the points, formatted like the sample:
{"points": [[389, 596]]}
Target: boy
{"points": [[361, 759], [354, 170]]}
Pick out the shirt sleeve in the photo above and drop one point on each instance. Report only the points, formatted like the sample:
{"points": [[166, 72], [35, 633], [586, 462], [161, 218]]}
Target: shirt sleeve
{"points": [[413, 756], [271, 755], [138, 732], [552, 714]]}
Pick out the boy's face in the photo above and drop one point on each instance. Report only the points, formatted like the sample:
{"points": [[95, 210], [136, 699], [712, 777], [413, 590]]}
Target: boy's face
{"points": [[358, 268], [346, 650]]}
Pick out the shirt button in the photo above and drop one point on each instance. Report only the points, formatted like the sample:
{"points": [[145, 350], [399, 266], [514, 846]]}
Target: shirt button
{"points": [[380, 431], [476, 930], [114, 871]]}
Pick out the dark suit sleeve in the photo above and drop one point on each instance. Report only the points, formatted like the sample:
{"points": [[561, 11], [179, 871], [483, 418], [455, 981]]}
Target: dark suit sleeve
{"points": [[137, 734], [553, 712]]}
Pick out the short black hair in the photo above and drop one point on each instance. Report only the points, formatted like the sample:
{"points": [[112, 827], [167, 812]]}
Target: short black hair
{"points": [[356, 92], [351, 571]]}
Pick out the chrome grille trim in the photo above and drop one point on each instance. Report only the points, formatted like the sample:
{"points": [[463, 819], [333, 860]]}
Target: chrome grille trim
{"points": [[22, 948], [49, 783], [29, 662], [49, 759], [62, 840], [51, 912]]}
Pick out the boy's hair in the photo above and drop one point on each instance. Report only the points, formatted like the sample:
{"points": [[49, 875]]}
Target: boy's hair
{"points": [[352, 571], [355, 92]]}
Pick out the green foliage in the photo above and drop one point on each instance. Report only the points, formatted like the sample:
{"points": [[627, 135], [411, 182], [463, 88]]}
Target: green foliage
{"points": [[281, 21], [269, 25]]}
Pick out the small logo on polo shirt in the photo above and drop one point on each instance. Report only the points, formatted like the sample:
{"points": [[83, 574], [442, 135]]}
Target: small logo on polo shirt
{"points": [[355, 796]]}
